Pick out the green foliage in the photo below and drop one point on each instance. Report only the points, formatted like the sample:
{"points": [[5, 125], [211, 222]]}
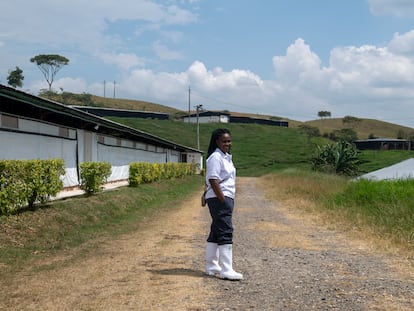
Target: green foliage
{"points": [[351, 120], [68, 224], [324, 114], [15, 78], [43, 179], [309, 130], [339, 158], [371, 160], [348, 135], [49, 65], [24, 182], [257, 149], [384, 208], [84, 99], [93, 176], [387, 206], [143, 172]]}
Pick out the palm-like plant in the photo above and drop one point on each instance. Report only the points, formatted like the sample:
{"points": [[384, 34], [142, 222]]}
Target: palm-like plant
{"points": [[339, 158]]}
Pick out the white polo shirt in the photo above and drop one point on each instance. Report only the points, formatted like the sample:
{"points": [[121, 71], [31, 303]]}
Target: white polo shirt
{"points": [[219, 165]]}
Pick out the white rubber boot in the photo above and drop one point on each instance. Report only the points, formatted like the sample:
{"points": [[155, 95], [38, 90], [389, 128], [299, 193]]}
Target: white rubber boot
{"points": [[212, 259], [226, 262]]}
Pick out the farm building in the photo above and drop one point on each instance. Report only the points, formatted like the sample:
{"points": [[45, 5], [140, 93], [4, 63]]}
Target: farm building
{"points": [[234, 119], [35, 128], [382, 144], [123, 113], [225, 117], [208, 117]]}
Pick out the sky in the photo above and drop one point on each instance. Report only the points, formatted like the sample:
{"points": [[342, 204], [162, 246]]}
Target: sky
{"points": [[285, 58]]}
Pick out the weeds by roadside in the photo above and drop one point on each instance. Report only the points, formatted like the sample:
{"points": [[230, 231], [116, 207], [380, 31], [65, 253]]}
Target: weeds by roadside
{"points": [[380, 211], [71, 222]]}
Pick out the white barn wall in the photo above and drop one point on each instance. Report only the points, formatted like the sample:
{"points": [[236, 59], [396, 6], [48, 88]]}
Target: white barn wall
{"points": [[33, 139], [207, 119], [22, 146]]}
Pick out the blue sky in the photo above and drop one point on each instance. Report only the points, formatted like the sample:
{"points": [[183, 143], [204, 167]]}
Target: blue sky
{"points": [[287, 58]]}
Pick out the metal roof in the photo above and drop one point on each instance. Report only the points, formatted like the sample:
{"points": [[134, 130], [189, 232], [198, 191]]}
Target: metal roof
{"points": [[23, 104]]}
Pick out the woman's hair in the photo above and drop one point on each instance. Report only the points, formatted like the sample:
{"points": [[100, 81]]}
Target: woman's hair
{"points": [[213, 140]]}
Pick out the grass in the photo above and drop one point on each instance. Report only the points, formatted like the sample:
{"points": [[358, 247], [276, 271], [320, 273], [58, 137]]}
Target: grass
{"points": [[385, 206], [282, 154], [69, 223], [376, 159], [382, 212], [257, 149]]}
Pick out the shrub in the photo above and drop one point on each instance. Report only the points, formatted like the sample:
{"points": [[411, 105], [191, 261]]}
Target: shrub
{"points": [[94, 175], [142, 172], [340, 158], [24, 182]]}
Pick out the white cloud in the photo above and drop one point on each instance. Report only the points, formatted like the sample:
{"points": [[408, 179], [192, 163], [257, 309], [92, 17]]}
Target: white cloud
{"points": [[123, 60], [81, 23], [164, 53], [399, 8], [358, 81], [77, 85], [403, 44]]}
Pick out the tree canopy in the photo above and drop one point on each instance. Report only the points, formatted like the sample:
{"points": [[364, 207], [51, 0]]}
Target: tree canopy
{"points": [[15, 78], [49, 65], [323, 114]]}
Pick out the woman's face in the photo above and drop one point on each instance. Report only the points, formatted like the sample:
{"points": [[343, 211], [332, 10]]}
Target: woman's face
{"points": [[224, 142]]}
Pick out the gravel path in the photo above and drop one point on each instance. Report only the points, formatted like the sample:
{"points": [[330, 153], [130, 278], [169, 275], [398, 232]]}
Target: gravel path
{"points": [[289, 263]]}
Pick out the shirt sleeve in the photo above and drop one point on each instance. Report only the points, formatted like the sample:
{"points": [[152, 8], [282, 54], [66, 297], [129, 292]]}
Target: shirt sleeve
{"points": [[213, 166]]}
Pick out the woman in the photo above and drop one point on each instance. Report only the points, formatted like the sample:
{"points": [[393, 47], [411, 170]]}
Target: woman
{"points": [[221, 185]]}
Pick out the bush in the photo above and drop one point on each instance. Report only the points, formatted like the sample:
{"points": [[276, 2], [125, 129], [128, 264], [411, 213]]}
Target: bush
{"points": [[24, 182], [43, 179], [142, 172], [340, 158], [94, 175]]}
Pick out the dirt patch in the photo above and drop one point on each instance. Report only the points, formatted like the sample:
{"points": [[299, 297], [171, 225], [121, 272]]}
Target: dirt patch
{"points": [[156, 268], [289, 261]]}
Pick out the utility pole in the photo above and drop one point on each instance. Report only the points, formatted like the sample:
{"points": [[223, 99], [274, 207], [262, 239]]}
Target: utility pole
{"points": [[189, 103], [114, 88], [104, 89], [198, 108]]}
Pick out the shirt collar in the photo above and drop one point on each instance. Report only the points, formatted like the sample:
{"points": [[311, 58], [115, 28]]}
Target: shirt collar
{"points": [[225, 155]]}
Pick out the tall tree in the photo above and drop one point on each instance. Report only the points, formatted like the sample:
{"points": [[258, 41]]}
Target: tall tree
{"points": [[49, 65], [15, 77], [323, 114]]}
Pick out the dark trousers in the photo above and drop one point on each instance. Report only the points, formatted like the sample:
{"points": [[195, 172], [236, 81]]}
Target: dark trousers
{"points": [[221, 230]]}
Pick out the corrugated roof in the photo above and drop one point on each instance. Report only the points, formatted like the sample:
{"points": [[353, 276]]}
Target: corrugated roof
{"points": [[24, 104]]}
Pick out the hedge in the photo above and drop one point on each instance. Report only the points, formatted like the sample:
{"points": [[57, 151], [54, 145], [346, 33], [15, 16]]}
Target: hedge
{"points": [[142, 172], [24, 182]]}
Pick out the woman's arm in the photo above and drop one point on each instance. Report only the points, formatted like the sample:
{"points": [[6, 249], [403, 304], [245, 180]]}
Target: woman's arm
{"points": [[215, 185]]}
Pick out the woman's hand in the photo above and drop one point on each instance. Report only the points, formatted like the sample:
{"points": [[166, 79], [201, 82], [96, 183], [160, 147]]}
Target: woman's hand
{"points": [[215, 185]]}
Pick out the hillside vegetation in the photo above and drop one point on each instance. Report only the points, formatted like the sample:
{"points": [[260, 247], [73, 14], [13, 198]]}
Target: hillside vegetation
{"points": [[257, 148], [382, 211], [364, 128]]}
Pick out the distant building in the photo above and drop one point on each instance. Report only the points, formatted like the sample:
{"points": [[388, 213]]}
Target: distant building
{"points": [[225, 117], [281, 123], [36, 128], [382, 144], [123, 113], [208, 117]]}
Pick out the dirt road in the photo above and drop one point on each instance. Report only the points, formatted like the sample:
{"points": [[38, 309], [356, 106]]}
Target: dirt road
{"points": [[289, 263]]}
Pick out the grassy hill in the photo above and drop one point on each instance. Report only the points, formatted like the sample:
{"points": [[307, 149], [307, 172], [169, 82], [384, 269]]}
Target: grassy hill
{"points": [[364, 127], [258, 149]]}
